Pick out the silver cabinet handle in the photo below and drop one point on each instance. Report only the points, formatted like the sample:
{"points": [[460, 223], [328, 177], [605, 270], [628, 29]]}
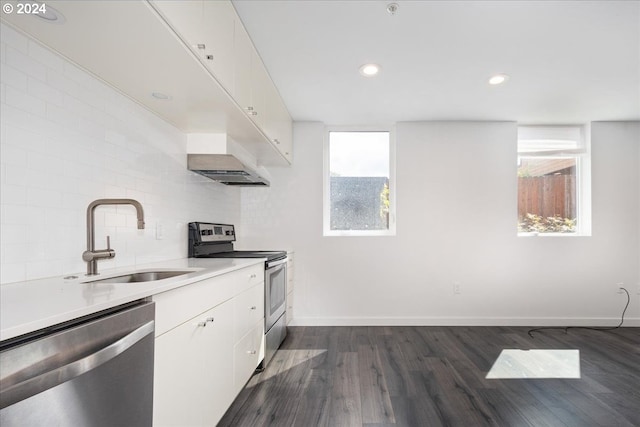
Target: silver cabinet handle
{"points": [[32, 386], [251, 352], [253, 276], [205, 321], [253, 307]]}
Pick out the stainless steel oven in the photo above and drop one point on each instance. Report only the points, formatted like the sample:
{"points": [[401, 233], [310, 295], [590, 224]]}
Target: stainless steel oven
{"points": [[275, 302], [207, 240]]}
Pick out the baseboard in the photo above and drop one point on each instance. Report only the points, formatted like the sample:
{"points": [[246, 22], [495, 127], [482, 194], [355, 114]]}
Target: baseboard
{"points": [[462, 321]]}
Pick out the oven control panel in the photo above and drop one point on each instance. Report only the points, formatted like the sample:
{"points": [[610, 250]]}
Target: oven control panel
{"points": [[207, 232]]}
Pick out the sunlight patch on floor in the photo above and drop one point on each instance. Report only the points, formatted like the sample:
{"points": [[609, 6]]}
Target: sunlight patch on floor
{"points": [[537, 363], [283, 361]]}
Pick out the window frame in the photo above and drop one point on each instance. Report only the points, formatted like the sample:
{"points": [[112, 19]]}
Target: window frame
{"points": [[326, 180], [583, 182]]}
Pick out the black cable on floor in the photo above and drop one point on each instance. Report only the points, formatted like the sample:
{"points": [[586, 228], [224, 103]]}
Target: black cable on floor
{"points": [[566, 328]]}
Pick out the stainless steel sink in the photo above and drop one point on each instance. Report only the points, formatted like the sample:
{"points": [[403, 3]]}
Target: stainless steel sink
{"points": [[142, 276]]}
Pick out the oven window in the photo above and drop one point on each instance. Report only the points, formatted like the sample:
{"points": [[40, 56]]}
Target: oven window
{"points": [[277, 290]]}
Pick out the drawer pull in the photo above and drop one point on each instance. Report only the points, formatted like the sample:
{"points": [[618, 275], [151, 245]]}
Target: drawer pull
{"points": [[205, 321], [253, 276], [253, 307], [251, 352]]}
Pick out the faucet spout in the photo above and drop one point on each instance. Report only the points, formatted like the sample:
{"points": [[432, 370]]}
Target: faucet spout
{"points": [[91, 255]]}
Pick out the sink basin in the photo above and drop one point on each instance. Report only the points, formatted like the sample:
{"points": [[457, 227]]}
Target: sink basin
{"points": [[141, 276]]}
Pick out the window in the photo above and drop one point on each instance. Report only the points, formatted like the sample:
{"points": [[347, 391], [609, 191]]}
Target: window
{"points": [[359, 188], [553, 180]]}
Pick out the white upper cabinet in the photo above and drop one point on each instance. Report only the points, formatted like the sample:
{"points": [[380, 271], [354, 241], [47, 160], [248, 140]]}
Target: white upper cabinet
{"points": [[186, 17], [278, 124], [215, 34], [208, 28], [218, 31], [194, 51]]}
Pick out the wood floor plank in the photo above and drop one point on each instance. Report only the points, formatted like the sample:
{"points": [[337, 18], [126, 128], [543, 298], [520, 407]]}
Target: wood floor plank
{"points": [[396, 372], [345, 409], [374, 395], [313, 408]]}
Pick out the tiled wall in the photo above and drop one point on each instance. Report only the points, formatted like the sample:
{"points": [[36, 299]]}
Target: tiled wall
{"points": [[68, 139]]}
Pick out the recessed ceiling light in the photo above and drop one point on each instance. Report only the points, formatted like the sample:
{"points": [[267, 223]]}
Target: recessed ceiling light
{"points": [[45, 11], [392, 8], [498, 79], [161, 96], [369, 70]]}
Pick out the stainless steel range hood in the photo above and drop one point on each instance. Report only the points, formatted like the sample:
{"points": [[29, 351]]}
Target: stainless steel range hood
{"points": [[225, 168]]}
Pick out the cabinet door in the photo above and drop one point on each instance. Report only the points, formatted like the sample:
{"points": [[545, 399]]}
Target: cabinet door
{"points": [[218, 33], [193, 378], [217, 372], [248, 310], [185, 17], [247, 354], [242, 67], [259, 82], [290, 307], [277, 124]]}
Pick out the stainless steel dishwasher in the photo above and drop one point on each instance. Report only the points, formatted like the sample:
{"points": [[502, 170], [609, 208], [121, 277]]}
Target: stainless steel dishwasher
{"points": [[95, 371]]}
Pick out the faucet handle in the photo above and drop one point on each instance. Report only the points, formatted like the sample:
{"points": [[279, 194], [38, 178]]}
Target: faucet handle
{"points": [[108, 242]]}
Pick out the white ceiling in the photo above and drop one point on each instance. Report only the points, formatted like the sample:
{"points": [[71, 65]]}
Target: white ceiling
{"points": [[568, 61]]}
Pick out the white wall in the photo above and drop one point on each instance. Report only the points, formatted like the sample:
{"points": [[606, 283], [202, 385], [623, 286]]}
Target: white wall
{"points": [[68, 139], [456, 222]]}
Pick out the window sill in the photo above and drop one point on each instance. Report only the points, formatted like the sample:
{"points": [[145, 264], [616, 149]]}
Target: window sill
{"points": [[534, 234], [358, 233]]}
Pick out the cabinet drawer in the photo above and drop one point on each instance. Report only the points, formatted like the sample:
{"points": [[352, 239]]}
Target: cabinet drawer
{"points": [[248, 308], [179, 305], [247, 354], [249, 277]]}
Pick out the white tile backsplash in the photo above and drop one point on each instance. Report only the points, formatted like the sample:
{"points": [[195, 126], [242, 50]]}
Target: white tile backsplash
{"points": [[68, 139]]}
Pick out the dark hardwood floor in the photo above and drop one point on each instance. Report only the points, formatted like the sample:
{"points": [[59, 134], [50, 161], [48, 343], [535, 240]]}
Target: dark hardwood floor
{"points": [[435, 376]]}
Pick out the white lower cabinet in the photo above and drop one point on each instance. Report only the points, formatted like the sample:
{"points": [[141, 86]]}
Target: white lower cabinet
{"points": [[201, 364], [193, 372], [246, 356]]}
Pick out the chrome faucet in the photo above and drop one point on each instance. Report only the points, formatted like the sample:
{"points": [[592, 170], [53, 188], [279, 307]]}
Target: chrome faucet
{"points": [[92, 255]]}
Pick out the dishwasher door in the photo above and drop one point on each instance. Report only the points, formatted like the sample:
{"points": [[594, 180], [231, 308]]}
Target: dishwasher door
{"points": [[95, 373]]}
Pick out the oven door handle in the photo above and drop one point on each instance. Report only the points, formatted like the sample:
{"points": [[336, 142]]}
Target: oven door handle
{"points": [[271, 264]]}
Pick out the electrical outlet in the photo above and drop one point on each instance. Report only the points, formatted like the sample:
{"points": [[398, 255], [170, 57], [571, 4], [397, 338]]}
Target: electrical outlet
{"points": [[619, 287], [456, 288]]}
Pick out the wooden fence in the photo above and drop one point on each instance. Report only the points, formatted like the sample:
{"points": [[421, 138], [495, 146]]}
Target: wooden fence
{"points": [[547, 196]]}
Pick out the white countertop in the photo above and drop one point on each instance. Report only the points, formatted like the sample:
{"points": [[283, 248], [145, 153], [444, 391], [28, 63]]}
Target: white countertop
{"points": [[29, 306]]}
